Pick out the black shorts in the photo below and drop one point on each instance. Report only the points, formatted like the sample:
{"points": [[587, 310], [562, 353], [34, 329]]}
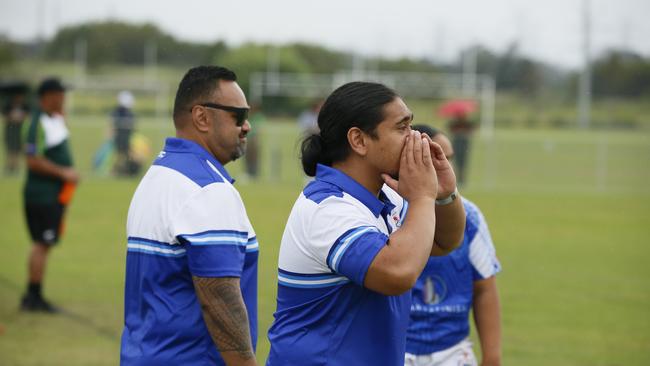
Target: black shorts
{"points": [[13, 138], [122, 139], [45, 222]]}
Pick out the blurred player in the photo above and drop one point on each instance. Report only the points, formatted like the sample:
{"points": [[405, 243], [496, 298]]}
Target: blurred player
{"points": [[123, 125], [461, 129], [350, 253], [446, 290], [49, 187], [15, 113], [308, 119], [257, 119]]}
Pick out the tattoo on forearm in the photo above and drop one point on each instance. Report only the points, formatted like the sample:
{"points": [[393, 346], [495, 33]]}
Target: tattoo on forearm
{"points": [[225, 314]]}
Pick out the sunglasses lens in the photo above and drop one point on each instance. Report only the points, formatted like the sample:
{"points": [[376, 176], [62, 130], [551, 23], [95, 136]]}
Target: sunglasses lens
{"points": [[242, 116]]}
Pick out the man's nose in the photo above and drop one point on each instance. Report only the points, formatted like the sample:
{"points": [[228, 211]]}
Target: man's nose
{"points": [[246, 126]]}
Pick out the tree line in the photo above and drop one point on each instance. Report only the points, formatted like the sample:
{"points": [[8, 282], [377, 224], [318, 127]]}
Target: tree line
{"points": [[616, 73]]}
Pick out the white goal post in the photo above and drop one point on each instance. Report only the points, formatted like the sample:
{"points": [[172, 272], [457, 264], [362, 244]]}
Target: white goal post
{"points": [[108, 86]]}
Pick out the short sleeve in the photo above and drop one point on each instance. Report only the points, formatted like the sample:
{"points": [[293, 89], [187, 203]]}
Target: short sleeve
{"points": [[482, 254], [346, 238], [33, 137], [252, 245], [215, 229]]}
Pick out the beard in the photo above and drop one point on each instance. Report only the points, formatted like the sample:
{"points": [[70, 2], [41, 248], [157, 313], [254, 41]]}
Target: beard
{"points": [[239, 151]]}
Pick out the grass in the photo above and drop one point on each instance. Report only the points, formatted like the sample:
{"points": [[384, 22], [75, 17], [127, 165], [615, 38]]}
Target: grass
{"points": [[571, 236]]}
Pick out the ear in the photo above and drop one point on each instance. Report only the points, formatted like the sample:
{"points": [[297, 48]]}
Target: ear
{"points": [[200, 119], [358, 141]]}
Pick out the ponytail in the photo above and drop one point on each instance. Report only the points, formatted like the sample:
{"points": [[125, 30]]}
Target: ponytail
{"points": [[312, 153]]}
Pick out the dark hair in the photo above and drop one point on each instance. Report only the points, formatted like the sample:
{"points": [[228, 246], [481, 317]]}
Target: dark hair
{"points": [[355, 104], [197, 85], [48, 85], [431, 131]]}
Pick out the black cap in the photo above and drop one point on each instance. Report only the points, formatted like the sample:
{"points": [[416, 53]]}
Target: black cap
{"points": [[50, 85]]}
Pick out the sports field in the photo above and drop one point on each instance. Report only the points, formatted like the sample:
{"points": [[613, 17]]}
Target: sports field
{"points": [[569, 212]]}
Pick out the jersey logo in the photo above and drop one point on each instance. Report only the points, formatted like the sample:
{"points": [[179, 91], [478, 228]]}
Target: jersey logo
{"points": [[434, 290], [162, 154]]}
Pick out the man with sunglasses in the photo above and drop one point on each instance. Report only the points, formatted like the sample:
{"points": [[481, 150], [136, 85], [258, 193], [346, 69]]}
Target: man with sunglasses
{"points": [[191, 267]]}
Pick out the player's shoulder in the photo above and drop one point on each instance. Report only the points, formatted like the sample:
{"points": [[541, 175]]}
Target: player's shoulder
{"points": [[321, 193], [472, 211], [193, 167], [324, 202]]}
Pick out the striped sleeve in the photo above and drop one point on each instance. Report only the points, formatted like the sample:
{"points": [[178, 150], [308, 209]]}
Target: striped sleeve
{"points": [[482, 254], [354, 251], [252, 245], [346, 240], [214, 228]]}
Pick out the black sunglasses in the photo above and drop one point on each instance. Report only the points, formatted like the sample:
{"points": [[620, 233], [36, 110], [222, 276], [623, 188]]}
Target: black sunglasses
{"points": [[241, 114]]}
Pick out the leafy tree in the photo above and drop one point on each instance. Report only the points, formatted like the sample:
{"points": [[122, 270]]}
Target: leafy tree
{"points": [[118, 42], [621, 73], [321, 59], [254, 57], [7, 52]]}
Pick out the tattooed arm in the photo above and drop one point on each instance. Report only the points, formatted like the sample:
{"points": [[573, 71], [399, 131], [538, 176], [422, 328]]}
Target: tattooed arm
{"points": [[226, 318]]}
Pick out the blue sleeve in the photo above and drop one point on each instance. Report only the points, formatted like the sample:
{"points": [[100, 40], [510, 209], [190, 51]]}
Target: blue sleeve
{"points": [[216, 253], [354, 251]]}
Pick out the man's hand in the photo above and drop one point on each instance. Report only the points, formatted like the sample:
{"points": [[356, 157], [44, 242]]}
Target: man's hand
{"points": [[417, 172], [40, 165], [396, 267], [444, 170], [70, 175]]}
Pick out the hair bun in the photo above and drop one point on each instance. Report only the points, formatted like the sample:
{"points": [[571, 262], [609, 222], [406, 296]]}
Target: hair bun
{"points": [[312, 153]]}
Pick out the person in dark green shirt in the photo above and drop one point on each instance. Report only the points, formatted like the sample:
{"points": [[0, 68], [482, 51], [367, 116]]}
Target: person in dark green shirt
{"points": [[50, 183], [15, 112]]}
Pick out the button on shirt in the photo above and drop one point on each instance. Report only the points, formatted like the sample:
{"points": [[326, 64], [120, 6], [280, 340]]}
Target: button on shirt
{"points": [[186, 219], [324, 314]]}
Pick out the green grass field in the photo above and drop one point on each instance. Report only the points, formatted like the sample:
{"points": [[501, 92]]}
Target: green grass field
{"points": [[569, 212]]}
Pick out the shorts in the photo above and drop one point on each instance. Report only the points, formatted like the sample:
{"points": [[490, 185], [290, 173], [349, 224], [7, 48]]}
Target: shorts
{"points": [[13, 138], [460, 354], [122, 140], [45, 222]]}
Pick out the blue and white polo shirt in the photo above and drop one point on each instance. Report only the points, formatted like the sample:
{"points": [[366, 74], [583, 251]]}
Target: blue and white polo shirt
{"points": [[324, 314], [186, 219], [443, 294]]}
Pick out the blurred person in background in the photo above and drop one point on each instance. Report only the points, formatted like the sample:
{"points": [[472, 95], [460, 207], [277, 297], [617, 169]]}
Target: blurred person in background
{"points": [[191, 266], [50, 184], [308, 119], [15, 112], [461, 129], [451, 285], [351, 252], [257, 119], [123, 126]]}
